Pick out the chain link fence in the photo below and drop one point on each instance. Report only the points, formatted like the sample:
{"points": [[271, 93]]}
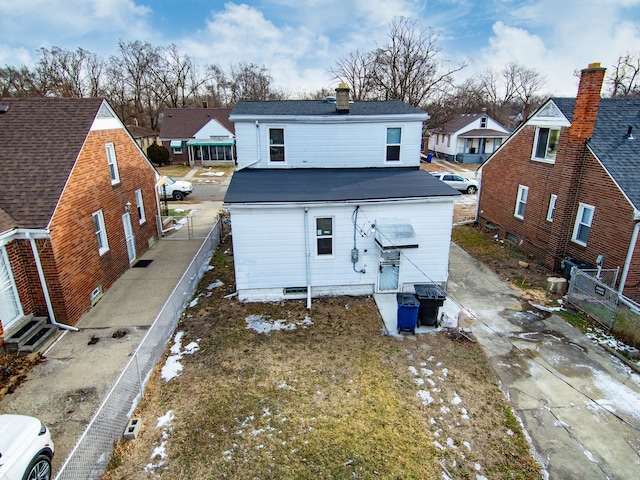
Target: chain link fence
{"points": [[592, 291], [90, 456], [188, 227]]}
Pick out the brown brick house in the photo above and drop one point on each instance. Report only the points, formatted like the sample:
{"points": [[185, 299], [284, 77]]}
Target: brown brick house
{"points": [[566, 184], [78, 206], [198, 136]]}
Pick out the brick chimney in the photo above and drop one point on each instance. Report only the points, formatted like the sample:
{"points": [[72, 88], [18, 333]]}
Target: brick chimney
{"points": [[342, 98], [587, 101]]}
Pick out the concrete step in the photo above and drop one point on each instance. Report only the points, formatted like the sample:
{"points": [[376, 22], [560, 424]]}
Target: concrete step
{"points": [[29, 335]]}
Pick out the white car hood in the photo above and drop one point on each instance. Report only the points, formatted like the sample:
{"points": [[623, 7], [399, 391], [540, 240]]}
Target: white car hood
{"points": [[17, 433]]}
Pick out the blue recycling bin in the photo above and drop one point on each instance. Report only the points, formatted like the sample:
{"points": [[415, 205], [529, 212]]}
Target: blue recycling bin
{"points": [[431, 297], [408, 305]]}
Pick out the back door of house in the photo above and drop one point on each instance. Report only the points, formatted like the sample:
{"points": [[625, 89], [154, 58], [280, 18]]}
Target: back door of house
{"points": [[389, 270], [10, 307], [128, 236]]}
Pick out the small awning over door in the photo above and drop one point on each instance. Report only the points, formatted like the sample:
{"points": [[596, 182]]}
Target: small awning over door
{"points": [[392, 234]]}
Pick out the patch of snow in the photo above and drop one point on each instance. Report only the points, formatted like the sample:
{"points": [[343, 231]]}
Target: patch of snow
{"points": [[456, 399], [438, 445], [172, 367], [426, 371], [445, 372], [451, 443], [481, 477], [619, 395], [216, 284], [419, 381], [194, 302], [425, 397], [468, 445], [414, 370], [264, 324]]}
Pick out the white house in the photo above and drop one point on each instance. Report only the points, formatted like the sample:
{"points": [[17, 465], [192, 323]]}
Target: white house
{"points": [[328, 199], [468, 138]]}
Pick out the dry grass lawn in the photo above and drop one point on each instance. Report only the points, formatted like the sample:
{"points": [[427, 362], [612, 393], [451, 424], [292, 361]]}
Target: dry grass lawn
{"points": [[330, 399]]}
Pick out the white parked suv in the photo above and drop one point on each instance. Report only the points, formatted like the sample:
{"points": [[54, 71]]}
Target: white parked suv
{"points": [[175, 189], [26, 448], [467, 185]]}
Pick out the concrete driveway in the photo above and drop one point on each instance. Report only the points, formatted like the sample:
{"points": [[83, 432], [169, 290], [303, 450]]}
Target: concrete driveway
{"points": [[579, 404]]}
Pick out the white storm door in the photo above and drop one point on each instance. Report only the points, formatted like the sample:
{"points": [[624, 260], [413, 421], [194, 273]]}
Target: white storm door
{"points": [[10, 306], [389, 270], [128, 236]]}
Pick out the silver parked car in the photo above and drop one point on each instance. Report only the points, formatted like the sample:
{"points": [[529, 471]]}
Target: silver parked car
{"points": [[26, 448], [467, 185]]}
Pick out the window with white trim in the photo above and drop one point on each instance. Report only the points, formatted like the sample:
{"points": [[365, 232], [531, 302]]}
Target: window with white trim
{"points": [[521, 201], [582, 227], [394, 136], [552, 207], [100, 232], [324, 236], [545, 145], [276, 144], [113, 164], [140, 206]]}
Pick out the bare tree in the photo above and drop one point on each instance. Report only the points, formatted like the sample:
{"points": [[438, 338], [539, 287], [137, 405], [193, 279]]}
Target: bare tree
{"points": [[249, 81], [625, 79], [408, 68], [18, 82], [357, 71]]}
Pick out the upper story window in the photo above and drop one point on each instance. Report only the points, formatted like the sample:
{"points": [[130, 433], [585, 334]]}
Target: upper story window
{"points": [[552, 207], [113, 164], [483, 122], [324, 236], [100, 232], [521, 202], [545, 145], [582, 227], [276, 144], [394, 136], [140, 207]]}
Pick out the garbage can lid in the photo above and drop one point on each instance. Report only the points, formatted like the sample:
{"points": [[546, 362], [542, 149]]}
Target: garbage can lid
{"points": [[430, 291], [408, 299]]}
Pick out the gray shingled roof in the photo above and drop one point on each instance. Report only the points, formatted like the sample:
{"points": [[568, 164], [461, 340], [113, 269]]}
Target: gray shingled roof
{"points": [[40, 140], [321, 108], [180, 123], [459, 122], [332, 185], [610, 142]]}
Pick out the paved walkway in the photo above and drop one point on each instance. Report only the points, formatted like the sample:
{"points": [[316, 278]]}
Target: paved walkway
{"points": [[579, 404]]}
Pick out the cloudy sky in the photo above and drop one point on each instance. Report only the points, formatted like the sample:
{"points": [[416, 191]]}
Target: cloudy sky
{"points": [[299, 40]]}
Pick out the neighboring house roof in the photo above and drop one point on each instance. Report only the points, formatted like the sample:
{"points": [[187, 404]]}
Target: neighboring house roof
{"points": [[321, 108], [141, 132], [458, 123], [483, 132], [181, 123], [610, 143], [338, 184], [40, 140]]}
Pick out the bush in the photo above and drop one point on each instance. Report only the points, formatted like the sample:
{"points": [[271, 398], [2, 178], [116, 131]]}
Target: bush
{"points": [[158, 154]]}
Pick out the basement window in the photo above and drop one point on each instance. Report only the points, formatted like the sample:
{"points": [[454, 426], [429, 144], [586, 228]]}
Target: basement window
{"points": [[295, 290]]}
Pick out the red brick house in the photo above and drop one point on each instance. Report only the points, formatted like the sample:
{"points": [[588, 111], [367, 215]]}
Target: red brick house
{"points": [[78, 207], [567, 182], [198, 136]]}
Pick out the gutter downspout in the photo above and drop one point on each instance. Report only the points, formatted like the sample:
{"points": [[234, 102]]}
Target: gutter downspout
{"points": [[627, 262], [307, 255], [257, 149], [45, 290]]}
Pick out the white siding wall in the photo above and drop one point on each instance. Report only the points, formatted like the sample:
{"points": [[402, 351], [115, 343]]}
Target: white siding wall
{"points": [[269, 248], [328, 145]]}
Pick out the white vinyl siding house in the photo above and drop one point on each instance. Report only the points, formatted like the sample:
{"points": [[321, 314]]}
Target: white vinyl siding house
{"points": [[327, 145], [337, 216], [284, 265]]}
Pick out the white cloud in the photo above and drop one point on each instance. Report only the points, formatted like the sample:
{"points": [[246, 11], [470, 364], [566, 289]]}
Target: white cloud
{"points": [[576, 34], [94, 25]]}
